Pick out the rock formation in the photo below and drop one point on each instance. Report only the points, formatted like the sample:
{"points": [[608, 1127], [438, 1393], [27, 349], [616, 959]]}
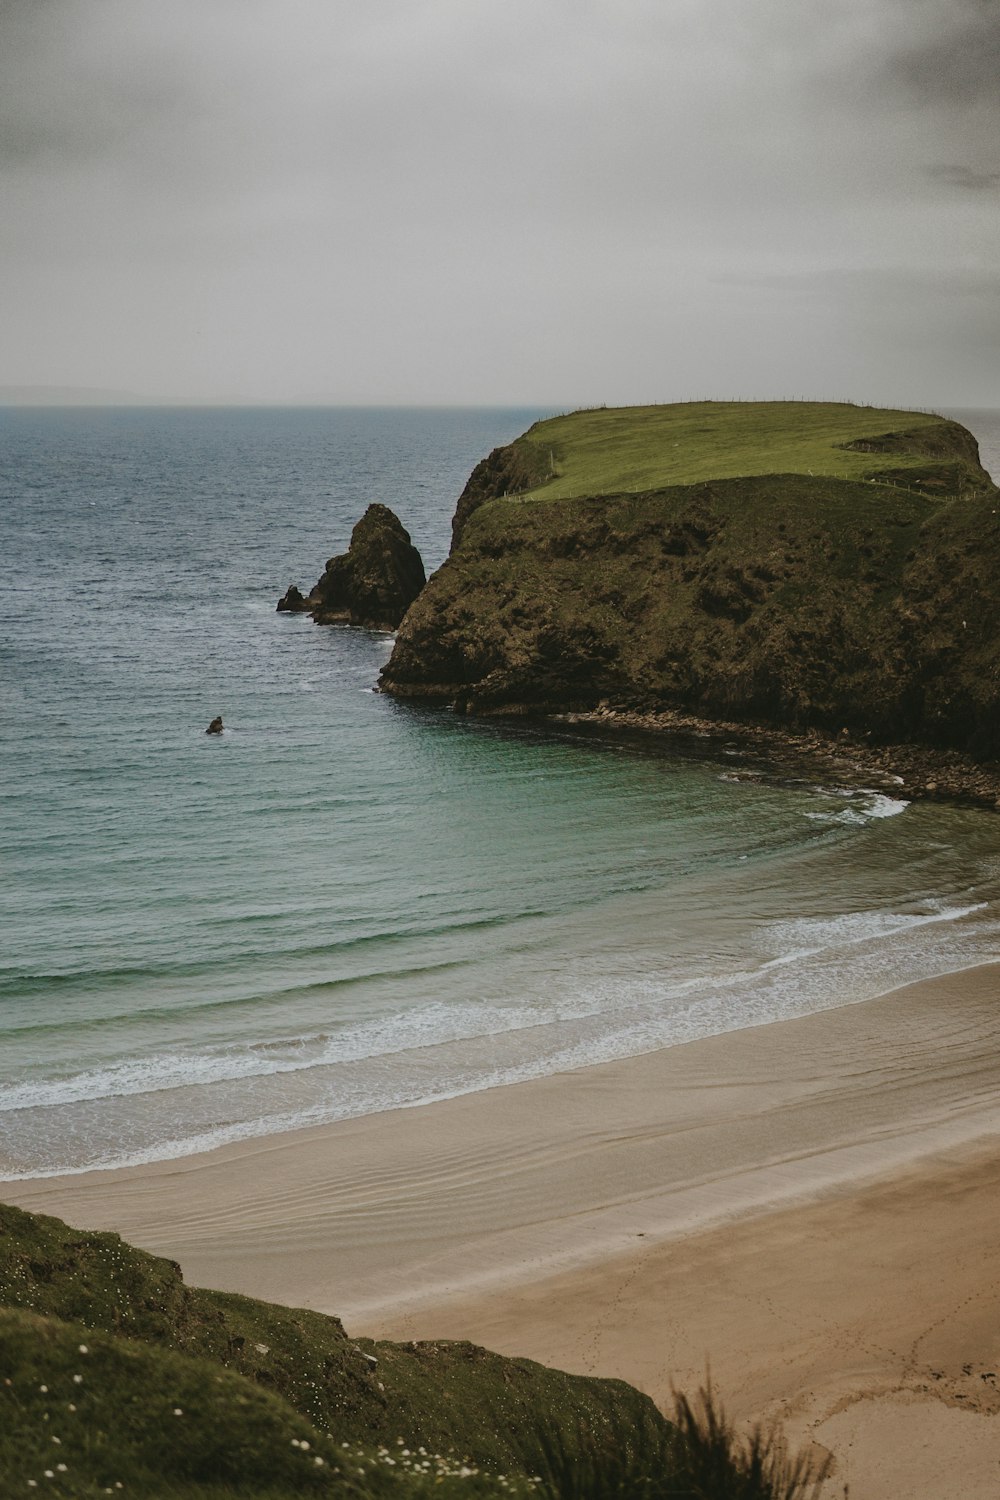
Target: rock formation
{"points": [[794, 564], [372, 584], [293, 601]]}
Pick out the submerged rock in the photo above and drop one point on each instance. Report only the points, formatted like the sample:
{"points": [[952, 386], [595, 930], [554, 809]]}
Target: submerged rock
{"points": [[372, 584]]}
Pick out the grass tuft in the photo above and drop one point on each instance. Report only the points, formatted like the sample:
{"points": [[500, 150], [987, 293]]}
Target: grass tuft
{"points": [[702, 1458], [718, 1464]]}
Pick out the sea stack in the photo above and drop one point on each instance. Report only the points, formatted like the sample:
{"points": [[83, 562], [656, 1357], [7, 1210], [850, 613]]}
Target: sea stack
{"points": [[372, 584]]}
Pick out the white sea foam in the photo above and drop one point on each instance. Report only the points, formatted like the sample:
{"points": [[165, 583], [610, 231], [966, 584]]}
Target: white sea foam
{"points": [[883, 806], [805, 964], [802, 936], [866, 806]]}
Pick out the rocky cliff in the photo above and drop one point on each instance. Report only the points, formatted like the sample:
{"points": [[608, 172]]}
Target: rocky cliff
{"points": [[797, 564]]}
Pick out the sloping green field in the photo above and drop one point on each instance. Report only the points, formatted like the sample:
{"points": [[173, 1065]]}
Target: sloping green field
{"points": [[610, 451], [117, 1378]]}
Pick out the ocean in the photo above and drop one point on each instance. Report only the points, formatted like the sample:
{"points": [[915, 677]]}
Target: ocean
{"points": [[345, 904]]}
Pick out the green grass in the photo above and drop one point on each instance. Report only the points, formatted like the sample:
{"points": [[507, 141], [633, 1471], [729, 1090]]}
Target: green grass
{"points": [[475, 1408], [116, 1378], [85, 1414], [613, 450]]}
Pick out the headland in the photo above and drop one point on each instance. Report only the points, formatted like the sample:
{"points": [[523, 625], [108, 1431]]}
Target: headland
{"points": [[802, 566]]}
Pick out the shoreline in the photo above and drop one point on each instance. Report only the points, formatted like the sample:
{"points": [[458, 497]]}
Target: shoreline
{"points": [[807, 1207], [915, 772], [808, 1095]]}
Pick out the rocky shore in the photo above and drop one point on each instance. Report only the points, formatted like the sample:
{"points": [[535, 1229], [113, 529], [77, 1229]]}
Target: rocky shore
{"points": [[910, 771]]}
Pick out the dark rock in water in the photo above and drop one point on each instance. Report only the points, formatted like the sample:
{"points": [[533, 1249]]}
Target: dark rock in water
{"points": [[294, 601], [375, 581], [215, 727]]}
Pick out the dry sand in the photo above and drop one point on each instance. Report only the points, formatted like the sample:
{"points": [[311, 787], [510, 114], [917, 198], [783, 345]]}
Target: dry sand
{"points": [[811, 1207]]}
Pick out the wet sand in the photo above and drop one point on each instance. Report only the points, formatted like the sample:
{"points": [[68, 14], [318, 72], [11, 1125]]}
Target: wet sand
{"points": [[810, 1207]]}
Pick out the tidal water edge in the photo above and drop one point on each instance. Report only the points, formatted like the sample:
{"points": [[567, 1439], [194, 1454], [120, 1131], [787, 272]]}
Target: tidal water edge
{"points": [[345, 903]]}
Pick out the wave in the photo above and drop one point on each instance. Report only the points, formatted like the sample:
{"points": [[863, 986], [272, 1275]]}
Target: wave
{"points": [[404, 1091], [805, 936], [427, 1026], [22, 984], [659, 1011], [866, 806]]}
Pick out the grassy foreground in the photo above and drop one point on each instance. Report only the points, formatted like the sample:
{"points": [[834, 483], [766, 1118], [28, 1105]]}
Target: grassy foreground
{"points": [[117, 1378]]}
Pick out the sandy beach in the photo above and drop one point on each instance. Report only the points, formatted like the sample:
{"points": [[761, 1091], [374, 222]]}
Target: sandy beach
{"points": [[810, 1208]]}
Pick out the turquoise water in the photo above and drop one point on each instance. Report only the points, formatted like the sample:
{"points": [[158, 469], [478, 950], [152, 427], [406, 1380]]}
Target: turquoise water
{"points": [[345, 903]]}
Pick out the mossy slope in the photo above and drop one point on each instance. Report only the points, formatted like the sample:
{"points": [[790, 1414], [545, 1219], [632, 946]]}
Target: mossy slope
{"points": [[791, 563], [452, 1399]]}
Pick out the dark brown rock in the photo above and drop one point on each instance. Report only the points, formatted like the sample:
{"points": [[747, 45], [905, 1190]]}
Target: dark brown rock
{"points": [[505, 471], [215, 727], [374, 583], [294, 601]]}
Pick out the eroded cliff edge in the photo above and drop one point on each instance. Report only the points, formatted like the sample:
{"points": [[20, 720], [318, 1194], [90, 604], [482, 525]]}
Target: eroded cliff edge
{"points": [[794, 564]]}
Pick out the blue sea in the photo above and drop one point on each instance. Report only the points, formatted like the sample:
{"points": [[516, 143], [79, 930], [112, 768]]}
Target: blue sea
{"points": [[344, 903]]}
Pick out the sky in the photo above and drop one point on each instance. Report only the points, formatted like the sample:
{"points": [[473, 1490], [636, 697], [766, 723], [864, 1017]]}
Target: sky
{"points": [[526, 202]]}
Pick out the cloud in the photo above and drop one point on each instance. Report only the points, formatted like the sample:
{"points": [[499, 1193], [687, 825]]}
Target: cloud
{"points": [[967, 178], [435, 198], [79, 80], [955, 56]]}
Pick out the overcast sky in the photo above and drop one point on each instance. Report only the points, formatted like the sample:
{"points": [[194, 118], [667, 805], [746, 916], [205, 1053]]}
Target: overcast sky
{"points": [[502, 201]]}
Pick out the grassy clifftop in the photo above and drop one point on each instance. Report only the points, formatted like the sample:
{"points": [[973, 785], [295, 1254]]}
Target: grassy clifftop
{"points": [[605, 452], [792, 563], [274, 1371], [117, 1378]]}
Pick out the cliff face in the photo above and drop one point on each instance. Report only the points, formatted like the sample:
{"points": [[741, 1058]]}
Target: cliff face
{"points": [[854, 585]]}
